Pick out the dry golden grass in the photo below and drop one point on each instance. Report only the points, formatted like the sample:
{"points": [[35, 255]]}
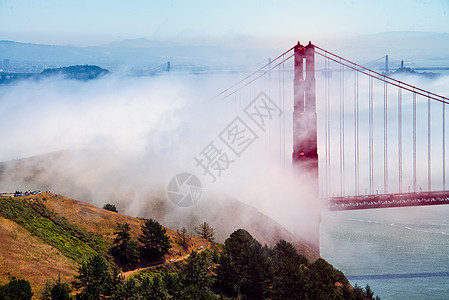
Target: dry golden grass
{"points": [[25, 256], [104, 222]]}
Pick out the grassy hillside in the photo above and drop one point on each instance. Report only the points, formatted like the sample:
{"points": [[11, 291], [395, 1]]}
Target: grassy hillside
{"points": [[26, 256], [42, 236], [101, 221]]}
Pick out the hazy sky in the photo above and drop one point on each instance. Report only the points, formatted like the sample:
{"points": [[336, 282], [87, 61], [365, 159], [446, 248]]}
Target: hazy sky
{"points": [[91, 22]]}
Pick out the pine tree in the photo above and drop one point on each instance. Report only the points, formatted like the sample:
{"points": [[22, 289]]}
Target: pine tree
{"points": [[290, 278], [228, 280], [244, 266], [158, 290], [183, 238], [205, 231], [172, 282], [46, 290], [127, 290], [61, 290], [95, 279], [155, 242], [368, 293], [124, 249], [196, 271]]}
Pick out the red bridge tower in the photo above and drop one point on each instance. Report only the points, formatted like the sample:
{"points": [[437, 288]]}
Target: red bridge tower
{"points": [[305, 148]]}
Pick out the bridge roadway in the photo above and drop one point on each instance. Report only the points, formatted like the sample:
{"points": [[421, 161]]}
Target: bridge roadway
{"points": [[387, 200]]}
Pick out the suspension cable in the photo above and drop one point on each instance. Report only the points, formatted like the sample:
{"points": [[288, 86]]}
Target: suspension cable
{"points": [[429, 155], [329, 124], [385, 137], [255, 78], [280, 119], [283, 107], [342, 132], [414, 142], [400, 140], [326, 128], [444, 147], [383, 77], [371, 133], [356, 134], [260, 69]]}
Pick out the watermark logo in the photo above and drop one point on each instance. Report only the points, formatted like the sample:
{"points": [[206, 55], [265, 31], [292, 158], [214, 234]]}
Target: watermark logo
{"points": [[220, 154], [217, 157], [184, 189]]}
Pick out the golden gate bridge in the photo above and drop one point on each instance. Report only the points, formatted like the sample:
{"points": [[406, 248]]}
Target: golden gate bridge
{"points": [[376, 141]]}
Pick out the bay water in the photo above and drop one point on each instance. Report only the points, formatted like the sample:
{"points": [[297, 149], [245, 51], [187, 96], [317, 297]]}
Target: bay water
{"points": [[402, 253]]}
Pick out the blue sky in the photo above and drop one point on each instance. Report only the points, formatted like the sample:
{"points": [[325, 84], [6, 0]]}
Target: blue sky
{"points": [[92, 22]]}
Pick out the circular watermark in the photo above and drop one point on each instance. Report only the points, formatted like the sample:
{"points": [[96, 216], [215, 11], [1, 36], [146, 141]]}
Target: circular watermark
{"points": [[184, 189]]}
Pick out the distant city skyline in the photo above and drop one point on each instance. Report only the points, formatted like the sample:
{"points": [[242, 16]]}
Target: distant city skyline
{"points": [[265, 23]]}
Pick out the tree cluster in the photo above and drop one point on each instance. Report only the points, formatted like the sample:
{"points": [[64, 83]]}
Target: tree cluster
{"points": [[99, 280], [244, 269], [153, 244], [250, 270], [110, 207]]}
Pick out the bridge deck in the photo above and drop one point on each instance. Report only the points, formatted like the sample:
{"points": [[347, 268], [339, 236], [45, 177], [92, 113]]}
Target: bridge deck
{"points": [[388, 200]]}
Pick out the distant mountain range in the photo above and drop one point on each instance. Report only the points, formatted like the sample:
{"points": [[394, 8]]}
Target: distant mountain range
{"points": [[134, 52], [417, 48]]}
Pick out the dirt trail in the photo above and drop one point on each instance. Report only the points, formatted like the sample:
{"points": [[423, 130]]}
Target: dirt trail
{"points": [[201, 246]]}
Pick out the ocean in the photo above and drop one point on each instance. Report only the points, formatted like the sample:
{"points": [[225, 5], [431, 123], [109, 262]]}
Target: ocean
{"points": [[402, 253]]}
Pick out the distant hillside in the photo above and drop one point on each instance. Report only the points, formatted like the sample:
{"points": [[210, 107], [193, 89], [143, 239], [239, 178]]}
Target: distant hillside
{"points": [[79, 72], [16, 51], [84, 72]]}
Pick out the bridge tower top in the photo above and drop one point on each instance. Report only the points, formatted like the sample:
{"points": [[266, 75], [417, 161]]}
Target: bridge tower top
{"points": [[305, 149]]}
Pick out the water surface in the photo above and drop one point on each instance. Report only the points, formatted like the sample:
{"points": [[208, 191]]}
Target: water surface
{"points": [[402, 253]]}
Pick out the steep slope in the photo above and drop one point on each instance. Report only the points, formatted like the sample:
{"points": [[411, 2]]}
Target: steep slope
{"points": [[26, 256], [47, 235], [103, 222]]}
